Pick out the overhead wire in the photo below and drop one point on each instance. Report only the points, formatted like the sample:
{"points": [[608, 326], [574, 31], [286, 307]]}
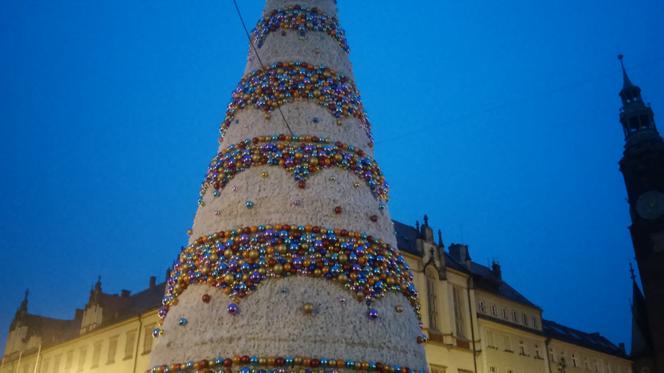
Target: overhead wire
{"points": [[255, 50]]}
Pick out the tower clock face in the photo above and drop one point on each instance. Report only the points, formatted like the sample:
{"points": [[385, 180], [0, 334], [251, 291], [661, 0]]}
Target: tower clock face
{"points": [[650, 205]]}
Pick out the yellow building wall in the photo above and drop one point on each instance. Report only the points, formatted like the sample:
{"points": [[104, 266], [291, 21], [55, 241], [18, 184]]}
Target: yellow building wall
{"points": [[122, 347], [510, 350], [579, 359]]}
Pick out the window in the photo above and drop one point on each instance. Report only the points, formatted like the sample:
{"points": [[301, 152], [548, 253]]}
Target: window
{"points": [[432, 299], [525, 319], [438, 368], [508, 343], [56, 364], [45, 365], [147, 338], [112, 349], [574, 362], [493, 370], [81, 358], [130, 344], [458, 313], [494, 310], [522, 348], [490, 341], [69, 361], [535, 322], [537, 352], [482, 307], [505, 313], [96, 353], [514, 318]]}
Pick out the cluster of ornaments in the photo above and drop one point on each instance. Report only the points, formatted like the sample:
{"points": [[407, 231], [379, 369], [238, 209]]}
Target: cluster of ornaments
{"points": [[278, 364], [237, 261], [302, 156], [268, 88], [300, 19]]}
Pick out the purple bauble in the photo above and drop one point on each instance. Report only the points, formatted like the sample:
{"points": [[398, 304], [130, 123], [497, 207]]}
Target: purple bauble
{"points": [[233, 309]]}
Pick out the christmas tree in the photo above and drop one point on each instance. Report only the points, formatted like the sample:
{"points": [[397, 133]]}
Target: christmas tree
{"points": [[292, 261]]}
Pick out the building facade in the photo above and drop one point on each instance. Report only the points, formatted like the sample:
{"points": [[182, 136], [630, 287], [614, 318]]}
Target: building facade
{"points": [[475, 321], [642, 166]]}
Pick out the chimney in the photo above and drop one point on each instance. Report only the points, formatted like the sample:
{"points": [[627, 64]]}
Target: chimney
{"points": [[495, 268], [153, 282], [460, 253], [124, 293]]}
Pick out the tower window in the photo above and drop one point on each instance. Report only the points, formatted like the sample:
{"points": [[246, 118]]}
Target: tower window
{"points": [[645, 121]]}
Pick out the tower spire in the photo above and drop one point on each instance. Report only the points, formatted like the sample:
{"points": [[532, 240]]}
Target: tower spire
{"points": [[626, 81], [636, 117], [24, 302]]}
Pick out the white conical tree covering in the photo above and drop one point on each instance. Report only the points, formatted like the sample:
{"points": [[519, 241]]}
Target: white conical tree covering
{"points": [[292, 260]]}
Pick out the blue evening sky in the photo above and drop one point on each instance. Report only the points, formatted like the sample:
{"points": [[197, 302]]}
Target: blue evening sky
{"points": [[497, 118]]}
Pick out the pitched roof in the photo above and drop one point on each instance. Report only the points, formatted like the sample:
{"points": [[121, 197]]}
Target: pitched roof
{"points": [[406, 237], [119, 307], [594, 341], [483, 276], [51, 330], [487, 280]]}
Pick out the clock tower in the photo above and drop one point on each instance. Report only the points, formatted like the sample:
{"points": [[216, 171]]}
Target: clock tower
{"points": [[642, 166]]}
